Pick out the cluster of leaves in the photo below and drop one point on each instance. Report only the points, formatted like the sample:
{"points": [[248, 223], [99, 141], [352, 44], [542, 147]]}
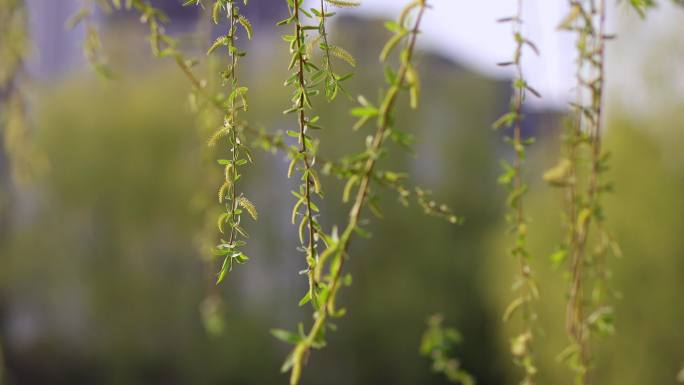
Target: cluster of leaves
{"points": [[641, 6], [580, 172], [348, 169], [332, 81], [438, 344], [525, 287]]}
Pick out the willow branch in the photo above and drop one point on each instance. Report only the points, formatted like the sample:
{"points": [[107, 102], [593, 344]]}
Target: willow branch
{"points": [[338, 249]]}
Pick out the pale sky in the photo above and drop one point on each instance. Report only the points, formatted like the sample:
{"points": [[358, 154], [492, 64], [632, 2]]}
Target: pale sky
{"points": [[467, 31]]}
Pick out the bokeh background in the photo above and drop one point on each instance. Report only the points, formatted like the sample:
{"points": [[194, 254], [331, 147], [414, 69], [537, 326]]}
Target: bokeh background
{"points": [[103, 249]]}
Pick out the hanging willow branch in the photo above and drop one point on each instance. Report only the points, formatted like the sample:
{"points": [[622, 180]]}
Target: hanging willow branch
{"points": [[437, 343], [581, 173], [232, 132], [328, 273], [235, 204], [303, 157], [24, 158], [13, 52], [525, 286], [92, 44]]}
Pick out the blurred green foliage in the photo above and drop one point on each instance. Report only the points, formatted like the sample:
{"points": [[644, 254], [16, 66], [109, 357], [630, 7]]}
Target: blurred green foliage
{"points": [[645, 215], [103, 265]]}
